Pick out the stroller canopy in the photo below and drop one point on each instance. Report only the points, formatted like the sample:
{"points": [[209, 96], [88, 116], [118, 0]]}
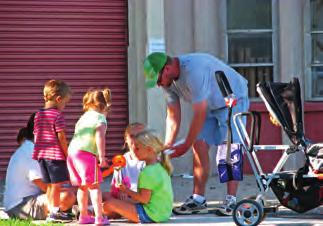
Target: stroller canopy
{"points": [[283, 101]]}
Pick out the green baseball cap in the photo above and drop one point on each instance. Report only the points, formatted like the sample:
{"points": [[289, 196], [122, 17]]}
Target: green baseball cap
{"points": [[153, 64]]}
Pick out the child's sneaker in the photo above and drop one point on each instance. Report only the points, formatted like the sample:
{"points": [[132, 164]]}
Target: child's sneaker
{"points": [[191, 207], [76, 211], [227, 207], [59, 217], [86, 219], [102, 221]]}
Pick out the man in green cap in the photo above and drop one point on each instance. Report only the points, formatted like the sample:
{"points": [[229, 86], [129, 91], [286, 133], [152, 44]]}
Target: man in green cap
{"points": [[191, 77]]}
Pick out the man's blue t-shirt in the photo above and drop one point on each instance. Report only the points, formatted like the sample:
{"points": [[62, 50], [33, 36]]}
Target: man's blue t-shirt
{"points": [[197, 81]]}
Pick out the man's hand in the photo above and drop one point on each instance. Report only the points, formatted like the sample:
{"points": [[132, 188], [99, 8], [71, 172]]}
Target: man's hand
{"points": [[179, 150]]}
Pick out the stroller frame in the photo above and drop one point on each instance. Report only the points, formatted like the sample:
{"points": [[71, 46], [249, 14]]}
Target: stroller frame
{"points": [[251, 211], [263, 180]]}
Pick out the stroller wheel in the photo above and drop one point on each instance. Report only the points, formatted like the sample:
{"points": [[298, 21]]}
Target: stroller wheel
{"points": [[248, 212], [253, 197], [263, 202]]}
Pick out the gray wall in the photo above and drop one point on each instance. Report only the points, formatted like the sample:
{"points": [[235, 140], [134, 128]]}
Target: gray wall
{"points": [[200, 26], [291, 53]]}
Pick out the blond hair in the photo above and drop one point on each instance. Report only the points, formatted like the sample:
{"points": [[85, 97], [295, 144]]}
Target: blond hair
{"points": [[132, 130], [148, 139], [54, 88], [131, 127], [99, 100]]}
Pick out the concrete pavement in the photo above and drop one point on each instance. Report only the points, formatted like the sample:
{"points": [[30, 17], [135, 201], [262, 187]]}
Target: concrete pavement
{"points": [[215, 191], [182, 186]]}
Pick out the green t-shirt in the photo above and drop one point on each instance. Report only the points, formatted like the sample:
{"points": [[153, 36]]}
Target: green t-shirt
{"points": [[155, 178], [84, 133]]}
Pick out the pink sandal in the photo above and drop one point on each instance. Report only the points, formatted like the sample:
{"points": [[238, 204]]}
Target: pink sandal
{"points": [[102, 221], [86, 219]]}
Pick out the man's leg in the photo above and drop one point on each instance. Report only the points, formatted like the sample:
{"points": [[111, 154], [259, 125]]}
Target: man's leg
{"points": [[201, 166], [230, 199], [196, 203], [232, 187]]}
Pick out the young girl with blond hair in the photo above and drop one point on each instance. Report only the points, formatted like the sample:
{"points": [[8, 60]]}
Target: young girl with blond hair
{"points": [[153, 200], [129, 173], [86, 153]]}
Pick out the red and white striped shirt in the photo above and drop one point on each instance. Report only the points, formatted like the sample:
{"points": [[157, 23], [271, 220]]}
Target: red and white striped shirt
{"points": [[47, 123]]}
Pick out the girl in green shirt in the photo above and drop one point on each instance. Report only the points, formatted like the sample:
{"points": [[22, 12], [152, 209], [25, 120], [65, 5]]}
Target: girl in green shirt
{"points": [[154, 198]]}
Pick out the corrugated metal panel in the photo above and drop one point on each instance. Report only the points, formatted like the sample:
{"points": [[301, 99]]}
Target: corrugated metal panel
{"points": [[83, 42]]}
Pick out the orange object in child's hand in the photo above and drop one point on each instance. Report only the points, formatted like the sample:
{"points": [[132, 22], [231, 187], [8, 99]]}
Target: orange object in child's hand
{"points": [[118, 162]]}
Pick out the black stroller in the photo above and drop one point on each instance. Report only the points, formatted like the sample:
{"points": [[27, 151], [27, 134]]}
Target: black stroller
{"points": [[300, 190]]}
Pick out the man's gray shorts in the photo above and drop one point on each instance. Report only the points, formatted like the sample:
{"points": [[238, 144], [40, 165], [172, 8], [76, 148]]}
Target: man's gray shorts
{"points": [[214, 131], [31, 207]]}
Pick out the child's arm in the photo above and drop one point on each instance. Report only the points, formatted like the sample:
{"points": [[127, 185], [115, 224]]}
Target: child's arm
{"points": [[143, 196], [100, 143], [62, 141]]}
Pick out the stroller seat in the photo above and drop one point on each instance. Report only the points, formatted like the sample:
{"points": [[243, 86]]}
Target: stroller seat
{"points": [[315, 150], [299, 190], [315, 153], [283, 101]]}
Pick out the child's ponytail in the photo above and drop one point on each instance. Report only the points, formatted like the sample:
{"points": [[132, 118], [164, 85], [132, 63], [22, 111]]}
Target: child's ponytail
{"points": [[97, 99], [147, 138], [165, 162], [107, 97]]}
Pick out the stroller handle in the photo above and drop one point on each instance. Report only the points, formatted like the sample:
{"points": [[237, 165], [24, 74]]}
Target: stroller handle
{"points": [[255, 128]]}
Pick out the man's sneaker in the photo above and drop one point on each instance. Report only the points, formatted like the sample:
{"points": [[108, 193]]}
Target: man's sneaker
{"points": [[191, 207], [59, 217], [227, 207]]}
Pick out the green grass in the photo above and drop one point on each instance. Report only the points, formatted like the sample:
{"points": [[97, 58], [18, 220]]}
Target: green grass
{"points": [[17, 222]]}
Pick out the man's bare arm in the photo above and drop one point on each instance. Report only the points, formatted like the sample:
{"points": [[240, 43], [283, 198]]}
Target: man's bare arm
{"points": [[173, 122]]}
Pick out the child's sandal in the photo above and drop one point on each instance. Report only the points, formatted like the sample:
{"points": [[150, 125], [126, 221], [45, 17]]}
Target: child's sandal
{"points": [[86, 219], [102, 221]]}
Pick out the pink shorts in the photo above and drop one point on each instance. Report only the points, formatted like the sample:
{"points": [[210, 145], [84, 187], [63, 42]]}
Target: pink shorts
{"points": [[83, 168]]}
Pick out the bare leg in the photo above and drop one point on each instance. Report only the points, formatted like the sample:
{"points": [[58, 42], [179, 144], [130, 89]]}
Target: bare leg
{"points": [[106, 196], [82, 200], [55, 194], [96, 199], [201, 166], [49, 199], [67, 200], [232, 187], [123, 208]]}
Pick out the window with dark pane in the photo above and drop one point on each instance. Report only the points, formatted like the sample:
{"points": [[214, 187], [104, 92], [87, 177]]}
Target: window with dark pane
{"points": [[250, 37], [317, 47]]}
